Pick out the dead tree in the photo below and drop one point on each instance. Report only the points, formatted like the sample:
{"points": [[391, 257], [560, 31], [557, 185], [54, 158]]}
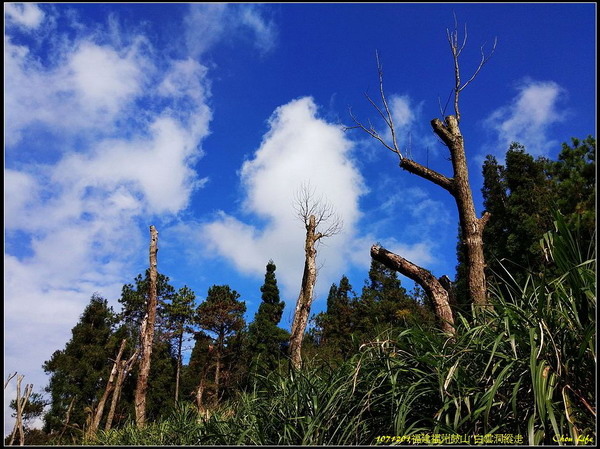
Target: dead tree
{"points": [[123, 369], [458, 185], [110, 386], [432, 286], [314, 213], [9, 378], [67, 418], [147, 335], [21, 402]]}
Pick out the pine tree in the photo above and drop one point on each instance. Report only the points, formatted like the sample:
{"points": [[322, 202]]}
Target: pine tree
{"points": [[196, 381], [265, 338], [134, 296], [79, 371], [179, 315], [222, 315], [162, 377]]}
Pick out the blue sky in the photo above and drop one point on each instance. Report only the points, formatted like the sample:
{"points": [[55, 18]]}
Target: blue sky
{"points": [[205, 119]]}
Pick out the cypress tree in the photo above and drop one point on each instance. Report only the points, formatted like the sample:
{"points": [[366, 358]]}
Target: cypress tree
{"points": [[337, 324], [265, 338]]}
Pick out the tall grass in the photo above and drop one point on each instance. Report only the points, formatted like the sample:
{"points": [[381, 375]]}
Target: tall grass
{"points": [[525, 368]]}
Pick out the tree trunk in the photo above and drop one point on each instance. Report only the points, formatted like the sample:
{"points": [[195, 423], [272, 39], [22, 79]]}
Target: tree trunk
{"points": [[178, 373], [424, 278], [67, 418], [200, 390], [471, 226], [147, 335], [110, 386], [218, 356], [123, 370], [305, 298], [21, 402]]}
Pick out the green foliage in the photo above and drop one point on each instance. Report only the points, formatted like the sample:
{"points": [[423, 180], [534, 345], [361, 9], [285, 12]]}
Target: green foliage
{"points": [[385, 301], [193, 371], [337, 323], [179, 312], [265, 337], [34, 408], [161, 381], [574, 176], [524, 368], [522, 196], [179, 317], [134, 297], [519, 197], [78, 372], [221, 313]]}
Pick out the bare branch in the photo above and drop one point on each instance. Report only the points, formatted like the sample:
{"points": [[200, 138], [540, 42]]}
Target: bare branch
{"points": [[456, 51], [371, 131], [484, 59], [386, 114], [306, 204], [426, 173], [8, 379], [390, 121]]}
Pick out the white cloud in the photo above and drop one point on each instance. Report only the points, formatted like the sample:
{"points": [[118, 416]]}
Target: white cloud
{"points": [[528, 117], [80, 211], [26, 15], [207, 24], [298, 148], [402, 112], [86, 89], [263, 30]]}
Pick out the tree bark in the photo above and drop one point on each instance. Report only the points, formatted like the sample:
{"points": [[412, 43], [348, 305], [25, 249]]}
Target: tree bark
{"points": [[305, 298], [219, 352], [471, 226], [110, 386], [458, 186], [123, 369], [67, 418], [424, 278], [200, 389], [21, 402], [178, 373], [147, 335]]}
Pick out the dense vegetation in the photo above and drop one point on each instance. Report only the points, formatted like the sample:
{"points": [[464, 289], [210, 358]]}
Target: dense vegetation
{"points": [[377, 369]]}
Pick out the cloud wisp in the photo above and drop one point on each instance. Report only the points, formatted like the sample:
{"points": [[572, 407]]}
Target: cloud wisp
{"points": [[528, 118], [25, 15], [207, 24]]}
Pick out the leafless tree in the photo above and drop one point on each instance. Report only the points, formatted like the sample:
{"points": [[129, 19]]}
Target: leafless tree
{"points": [[110, 386], [458, 186], [20, 403], [123, 369], [147, 335], [67, 418], [320, 221]]}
